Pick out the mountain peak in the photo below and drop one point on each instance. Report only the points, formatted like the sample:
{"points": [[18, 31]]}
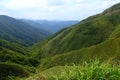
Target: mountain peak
{"points": [[115, 7], [4, 16]]}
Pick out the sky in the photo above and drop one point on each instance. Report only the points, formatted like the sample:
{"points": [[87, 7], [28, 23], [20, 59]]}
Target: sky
{"points": [[54, 9]]}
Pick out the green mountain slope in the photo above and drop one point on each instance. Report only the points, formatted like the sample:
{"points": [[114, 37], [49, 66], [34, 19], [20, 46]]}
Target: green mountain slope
{"points": [[15, 64], [16, 35], [89, 32], [15, 39], [20, 30], [95, 70], [108, 50], [95, 37]]}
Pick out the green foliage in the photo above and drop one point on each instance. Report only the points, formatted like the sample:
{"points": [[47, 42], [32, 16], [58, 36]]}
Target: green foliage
{"points": [[12, 70], [11, 56], [116, 7], [89, 32], [97, 36], [116, 33], [88, 71], [18, 30], [13, 46], [107, 50]]}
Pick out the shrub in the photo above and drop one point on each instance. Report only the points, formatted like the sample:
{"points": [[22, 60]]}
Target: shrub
{"points": [[12, 70]]}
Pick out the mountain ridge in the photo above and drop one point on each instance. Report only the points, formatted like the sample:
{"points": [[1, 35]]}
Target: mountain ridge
{"points": [[96, 36], [49, 25]]}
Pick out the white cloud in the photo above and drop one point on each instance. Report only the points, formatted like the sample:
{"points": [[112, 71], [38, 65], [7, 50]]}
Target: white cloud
{"points": [[54, 9], [24, 4]]}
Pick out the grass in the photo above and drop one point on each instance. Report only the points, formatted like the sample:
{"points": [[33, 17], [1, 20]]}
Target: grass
{"points": [[7, 70], [89, 32], [108, 50], [94, 70]]}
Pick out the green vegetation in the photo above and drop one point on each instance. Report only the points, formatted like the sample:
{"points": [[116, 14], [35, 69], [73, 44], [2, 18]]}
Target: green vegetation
{"points": [[109, 49], [20, 31], [7, 70], [97, 36], [89, 32], [15, 39], [94, 70], [11, 56], [14, 46]]}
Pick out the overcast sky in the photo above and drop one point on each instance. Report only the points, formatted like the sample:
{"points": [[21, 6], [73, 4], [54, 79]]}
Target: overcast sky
{"points": [[54, 9]]}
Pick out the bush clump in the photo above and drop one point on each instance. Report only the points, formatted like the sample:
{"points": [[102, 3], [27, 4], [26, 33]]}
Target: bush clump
{"points": [[7, 69]]}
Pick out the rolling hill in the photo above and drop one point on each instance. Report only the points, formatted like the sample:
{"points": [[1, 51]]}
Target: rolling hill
{"points": [[95, 37], [21, 30], [15, 34], [15, 39]]}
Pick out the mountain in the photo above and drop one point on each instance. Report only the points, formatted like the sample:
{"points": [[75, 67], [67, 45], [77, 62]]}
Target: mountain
{"points": [[19, 34], [15, 64], [96, 36], [51, 26], [15, 39], [21, 30]]}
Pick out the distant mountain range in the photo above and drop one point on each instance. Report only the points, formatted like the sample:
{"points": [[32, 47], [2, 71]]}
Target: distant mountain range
{"points": [[21, 30], [51, 26], [27, 45], [15, 39], [18, 33]]}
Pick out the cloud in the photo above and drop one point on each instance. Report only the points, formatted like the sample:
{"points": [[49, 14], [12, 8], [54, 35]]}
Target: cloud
{"points": [[55, 2], [23, 4], [54, 9]]}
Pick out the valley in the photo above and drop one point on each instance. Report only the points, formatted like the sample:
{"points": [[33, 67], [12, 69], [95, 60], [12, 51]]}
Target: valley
{"points": [[61, 50]]}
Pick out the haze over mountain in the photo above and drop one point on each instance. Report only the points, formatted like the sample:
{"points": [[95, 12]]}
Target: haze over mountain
{"points": [[51, 26], [21, 30], [17, 33], [27, 51], [15, 38]]}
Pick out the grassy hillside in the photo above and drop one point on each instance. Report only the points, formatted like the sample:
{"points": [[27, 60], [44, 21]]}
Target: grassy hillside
{"points": [[87, 33], [7, 70], [14, 46], [15, 39], [95, 37], [107, 50], [7, 55], [110, 49], [94, 70], [15, 64], [22, 33]]}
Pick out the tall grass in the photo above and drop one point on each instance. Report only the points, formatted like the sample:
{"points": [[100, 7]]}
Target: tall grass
{"points": [[88, 71], [91, 71]]}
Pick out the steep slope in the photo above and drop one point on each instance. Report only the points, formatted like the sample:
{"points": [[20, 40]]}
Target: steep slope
{"points": [[108, 50], [96, 37], [51, 26], [88, 32], [20, 30], [16, 35], [15, 64], [7, 55]]}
